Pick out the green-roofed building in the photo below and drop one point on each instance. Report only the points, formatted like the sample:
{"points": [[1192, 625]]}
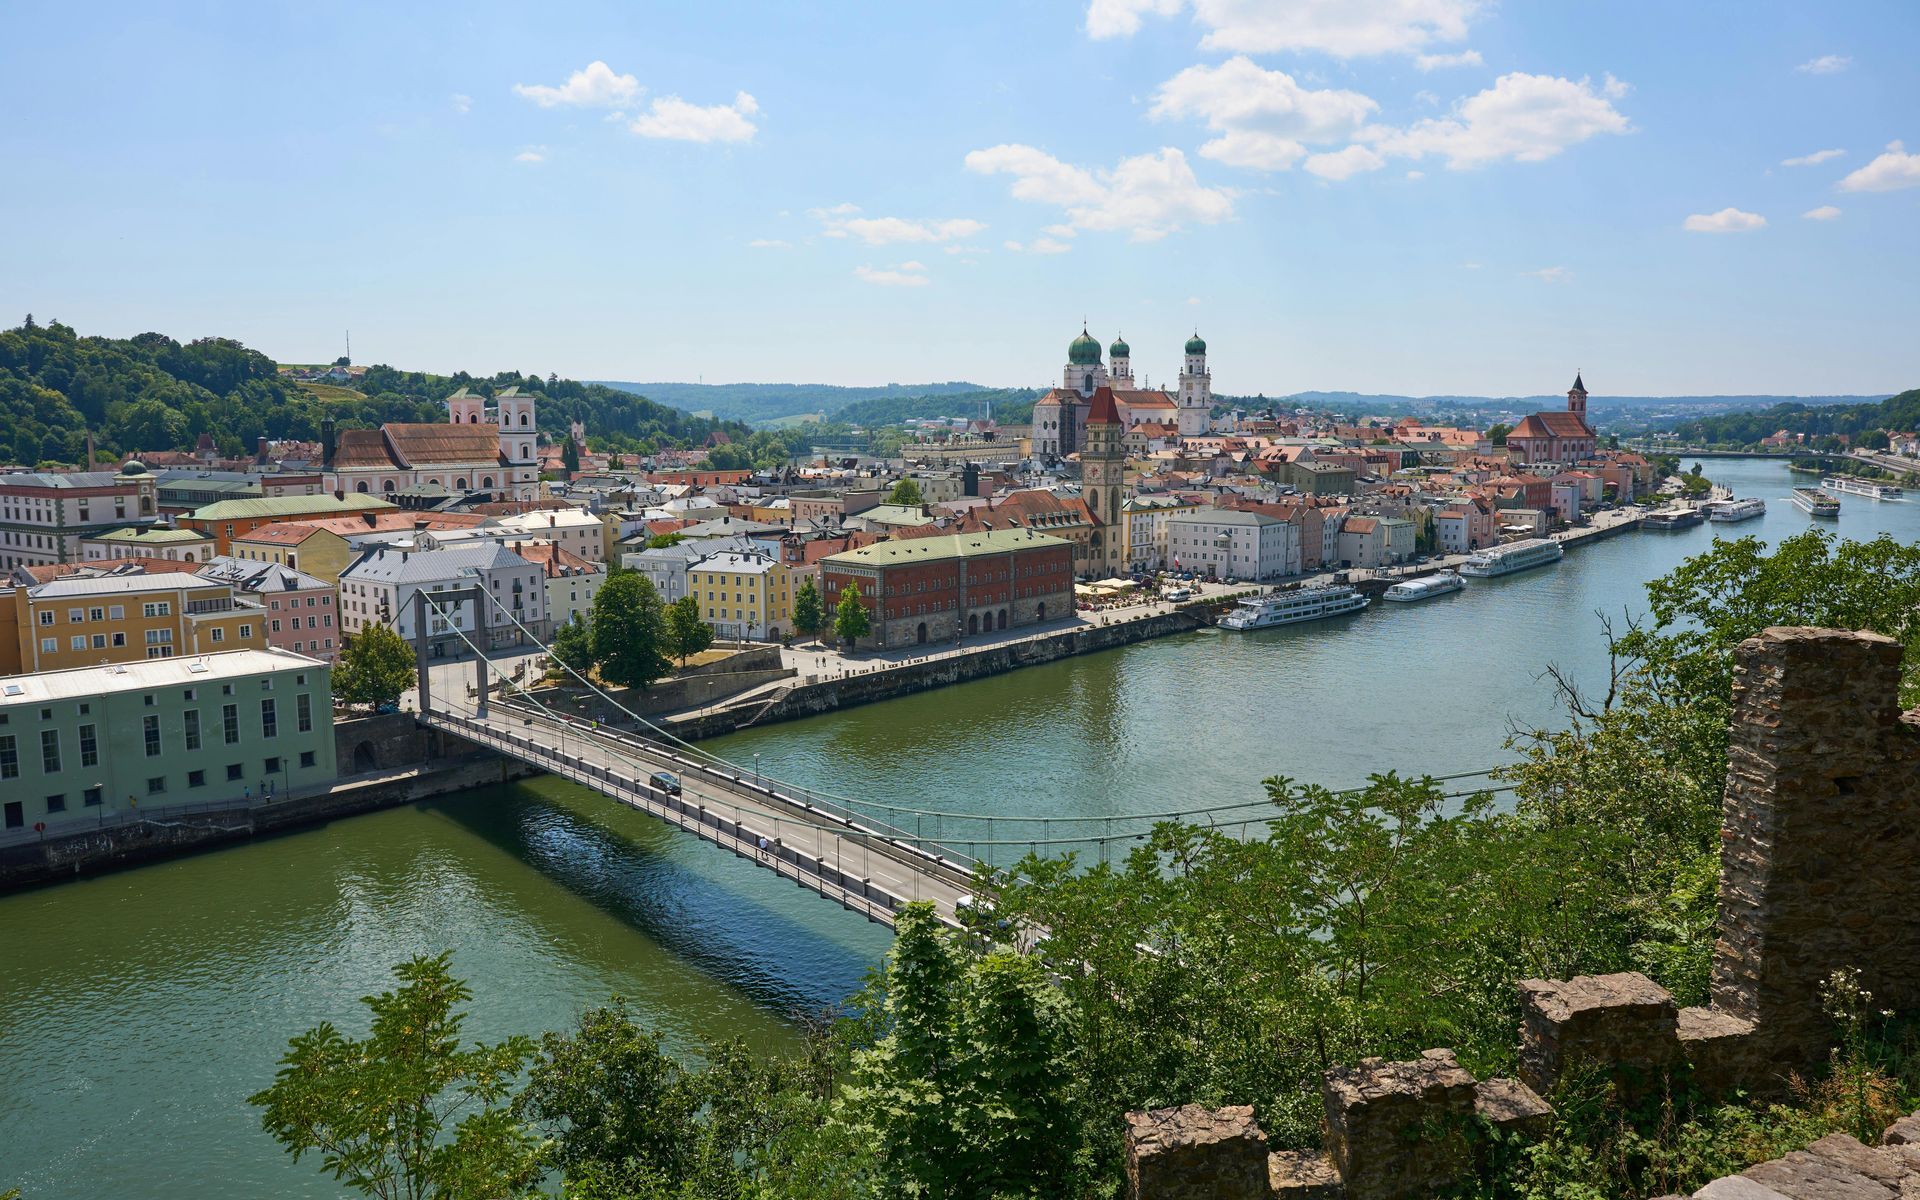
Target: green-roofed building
{"points": [[229, 519], [164, 540], [943, 588]]}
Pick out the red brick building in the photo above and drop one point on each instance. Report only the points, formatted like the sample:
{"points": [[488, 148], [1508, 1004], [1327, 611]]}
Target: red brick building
{"points": [[935, 589]]}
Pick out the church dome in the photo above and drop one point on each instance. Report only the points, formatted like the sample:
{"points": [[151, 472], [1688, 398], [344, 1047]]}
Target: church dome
{"points": [[1084, 351], [1195, 345], [1119, 349], [134, 467]]}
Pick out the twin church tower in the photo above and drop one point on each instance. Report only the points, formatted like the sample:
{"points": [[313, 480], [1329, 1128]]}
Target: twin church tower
{"points": [[1060, 416]]}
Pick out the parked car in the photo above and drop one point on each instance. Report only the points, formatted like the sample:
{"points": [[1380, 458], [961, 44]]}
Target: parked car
{"points": [[1177, 595], [665, 781]]}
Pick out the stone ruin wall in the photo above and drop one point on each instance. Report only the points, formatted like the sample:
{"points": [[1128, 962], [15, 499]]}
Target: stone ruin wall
{"points": [[1820, 870]]}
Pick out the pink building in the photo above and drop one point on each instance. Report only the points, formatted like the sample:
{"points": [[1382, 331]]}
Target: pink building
{"points": [[299, 607]]}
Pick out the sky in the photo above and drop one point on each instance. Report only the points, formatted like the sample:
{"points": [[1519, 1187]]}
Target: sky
{"points": [[1408, 196]]}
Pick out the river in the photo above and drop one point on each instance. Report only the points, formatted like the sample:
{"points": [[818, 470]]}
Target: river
{"points": [[139, 1009]]}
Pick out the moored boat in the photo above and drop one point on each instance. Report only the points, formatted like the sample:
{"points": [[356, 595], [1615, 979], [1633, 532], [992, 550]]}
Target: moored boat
{"points": [[1862, 487], [1735, 510], [1426, 588], [1514, 556], [1815, 503], [1301, 604]]}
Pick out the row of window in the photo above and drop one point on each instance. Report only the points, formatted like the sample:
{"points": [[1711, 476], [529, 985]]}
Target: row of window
{"points": [[157, 786], [51, 760]]}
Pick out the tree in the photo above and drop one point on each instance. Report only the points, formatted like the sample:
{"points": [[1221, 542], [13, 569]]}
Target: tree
{"points": [[906, 492], [687, 634], [809, 616], [379, 1111], [660, 541], [376, 665], [1497, 435], [850, 622], [573, 646], [1875, 439], [629, 629], [570, 456]]}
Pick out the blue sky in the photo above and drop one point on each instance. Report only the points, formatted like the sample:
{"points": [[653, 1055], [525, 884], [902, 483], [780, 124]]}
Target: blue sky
{"points": [[1380, 195]]}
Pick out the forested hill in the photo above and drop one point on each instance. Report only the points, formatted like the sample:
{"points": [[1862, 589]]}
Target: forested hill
{"points": [[1009, 406], [759, 402], [151, 392], [1897, 413]]}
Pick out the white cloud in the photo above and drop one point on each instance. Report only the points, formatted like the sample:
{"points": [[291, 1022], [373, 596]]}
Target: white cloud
{"points": [[1826, 64], [770, 244], [1061, 231], [906, 274], [1826, 212], [1416, 174], [462, 103], [1727, 220], [1121, 18], [840, 221], [532, 154], [673, 118], [1047, 245], [1526, 118], [1148, 195], [1545, 274], [1615, 89], [1811, 160], [1890, 172], [1436, 62], [1342, 28], [594, 86], [1344, 164], [1263, 117]]}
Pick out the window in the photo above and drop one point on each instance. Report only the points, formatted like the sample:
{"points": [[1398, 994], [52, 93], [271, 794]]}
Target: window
{"points": [[192, 721], [57, 803], [196, 779], [150, 727], [49, 645], [46, 616], [219, 634], [272, 765], [230, 722], [89, 747], [269, 720], [303, 712], [99, 641], [246, 631], [157, 608], [50, 751], [233, 771], [91, 797], [119, 639], [117, 611], [307, 758], [9, 759], [156, 785], [96, 614]]}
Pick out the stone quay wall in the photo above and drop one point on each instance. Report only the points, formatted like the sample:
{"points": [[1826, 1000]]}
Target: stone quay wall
{"points": [[1820, 871]]}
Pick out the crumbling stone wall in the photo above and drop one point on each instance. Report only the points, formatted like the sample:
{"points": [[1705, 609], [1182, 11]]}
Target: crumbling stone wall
{"points": [[1820, 870]]}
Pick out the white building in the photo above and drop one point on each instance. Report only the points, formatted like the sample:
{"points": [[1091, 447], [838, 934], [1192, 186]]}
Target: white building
{"points": [[378, 587], [574, 530], [1143, 521], [474, 451], [45, 515], [1233, 545]]}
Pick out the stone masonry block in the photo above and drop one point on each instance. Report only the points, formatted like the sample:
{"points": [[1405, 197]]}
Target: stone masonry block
{"points": [[1803, 1176], [1625, 1021], [1510, 1105], [1195, 1153], [1302, 1175], [1399, 1129], [1724, 1053], [1904, 1132]]}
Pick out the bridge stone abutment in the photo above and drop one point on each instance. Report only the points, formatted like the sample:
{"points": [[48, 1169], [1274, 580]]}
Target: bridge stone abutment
{"points": [[1820, 872]]}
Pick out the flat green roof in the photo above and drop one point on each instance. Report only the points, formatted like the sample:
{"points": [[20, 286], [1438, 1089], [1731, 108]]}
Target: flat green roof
{"points": [[287, 506], [934, 549], [137, 534]]}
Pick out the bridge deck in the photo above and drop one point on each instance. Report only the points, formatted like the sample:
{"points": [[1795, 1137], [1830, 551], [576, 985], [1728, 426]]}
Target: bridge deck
{"points": [[864, 870]]}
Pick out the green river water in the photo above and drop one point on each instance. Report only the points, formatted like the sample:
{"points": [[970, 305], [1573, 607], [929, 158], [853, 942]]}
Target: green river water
{"points": [[139, 1009]]}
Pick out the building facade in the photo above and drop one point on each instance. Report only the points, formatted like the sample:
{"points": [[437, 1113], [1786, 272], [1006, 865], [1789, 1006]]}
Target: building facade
{"points": [[86, 620], [1060, 416], [938, 589], [476, 450], [378, 589], [743, 594], [1228, 544], [93, 743], [1555, 437], [45, 515], [298, 607]]}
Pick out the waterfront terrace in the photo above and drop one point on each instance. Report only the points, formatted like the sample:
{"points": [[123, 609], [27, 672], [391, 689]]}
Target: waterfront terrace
{"points": [[936, 588]]}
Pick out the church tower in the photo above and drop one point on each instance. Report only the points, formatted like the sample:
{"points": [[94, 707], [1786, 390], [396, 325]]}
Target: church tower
{"points": [[1103, 468], [517, 438], [1120, 358], [1196, 389], [1083, 374], [1577, 397], [465, 408]]}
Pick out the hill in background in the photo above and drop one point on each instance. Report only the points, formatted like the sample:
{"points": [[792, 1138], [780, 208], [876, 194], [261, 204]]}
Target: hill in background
{"points": [[757, 403]]}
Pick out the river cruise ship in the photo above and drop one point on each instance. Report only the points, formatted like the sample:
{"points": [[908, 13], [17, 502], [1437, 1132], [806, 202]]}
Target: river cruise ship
{"points": [[1816, 503], [1862, 487], [1426, 588], [1679, 517], [1514, 556], [1285, 608], [1736, 510]]}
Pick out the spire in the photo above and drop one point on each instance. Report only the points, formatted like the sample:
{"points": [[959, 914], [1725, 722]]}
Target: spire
{"points": [[1577, 385]]}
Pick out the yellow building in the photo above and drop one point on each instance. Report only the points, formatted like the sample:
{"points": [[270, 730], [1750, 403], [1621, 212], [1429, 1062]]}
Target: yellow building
{"points": [[83, 621], [743, 594], [297, 546]]}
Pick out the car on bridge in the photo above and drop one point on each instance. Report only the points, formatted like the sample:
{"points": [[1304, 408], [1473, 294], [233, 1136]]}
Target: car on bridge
{"points": [[665, 781]]}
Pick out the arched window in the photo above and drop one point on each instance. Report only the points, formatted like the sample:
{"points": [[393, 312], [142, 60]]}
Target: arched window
{"points": [[523, 420], [386, 486], [487, 482], [361, 486], [459, 483]]}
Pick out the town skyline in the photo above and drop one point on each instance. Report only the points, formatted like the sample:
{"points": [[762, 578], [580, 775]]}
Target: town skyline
{"points": [[1424, 198]]}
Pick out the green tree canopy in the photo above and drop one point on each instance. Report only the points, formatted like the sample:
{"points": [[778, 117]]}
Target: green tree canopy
{"points": [[629, 628], [573, 645], [376, 665], [907, 492], [850, 621], [809, 615], [406, 1113], [687, 634]]}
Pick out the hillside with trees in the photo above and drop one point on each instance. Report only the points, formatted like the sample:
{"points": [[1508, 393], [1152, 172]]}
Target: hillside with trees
{"points": [[758, 402], [1850, 421], [151, 392], [1010, 406]]}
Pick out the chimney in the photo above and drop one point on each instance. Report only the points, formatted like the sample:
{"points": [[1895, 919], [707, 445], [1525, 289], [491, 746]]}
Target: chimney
{"points": [[90, 453], [419, 524], [369, 518], [260, 449]]}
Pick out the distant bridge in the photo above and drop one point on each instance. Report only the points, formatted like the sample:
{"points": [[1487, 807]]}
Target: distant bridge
{"points": [[859, 854]]}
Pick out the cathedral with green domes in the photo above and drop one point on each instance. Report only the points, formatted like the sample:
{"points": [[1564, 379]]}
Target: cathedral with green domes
{"points": [[1060, 416]]}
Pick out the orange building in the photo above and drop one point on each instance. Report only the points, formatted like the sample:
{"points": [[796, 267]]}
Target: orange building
{"points": [[84, 620]]}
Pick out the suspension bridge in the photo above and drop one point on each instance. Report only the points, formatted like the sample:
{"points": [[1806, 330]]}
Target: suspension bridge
{"points": [[872, 858]]}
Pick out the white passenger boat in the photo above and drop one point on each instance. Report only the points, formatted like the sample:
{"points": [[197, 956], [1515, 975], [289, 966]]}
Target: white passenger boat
{"points": [[1426, 587], [1862, 487], [1514, 556], [1815, 503], [1735, 510], [1302, 604]]}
